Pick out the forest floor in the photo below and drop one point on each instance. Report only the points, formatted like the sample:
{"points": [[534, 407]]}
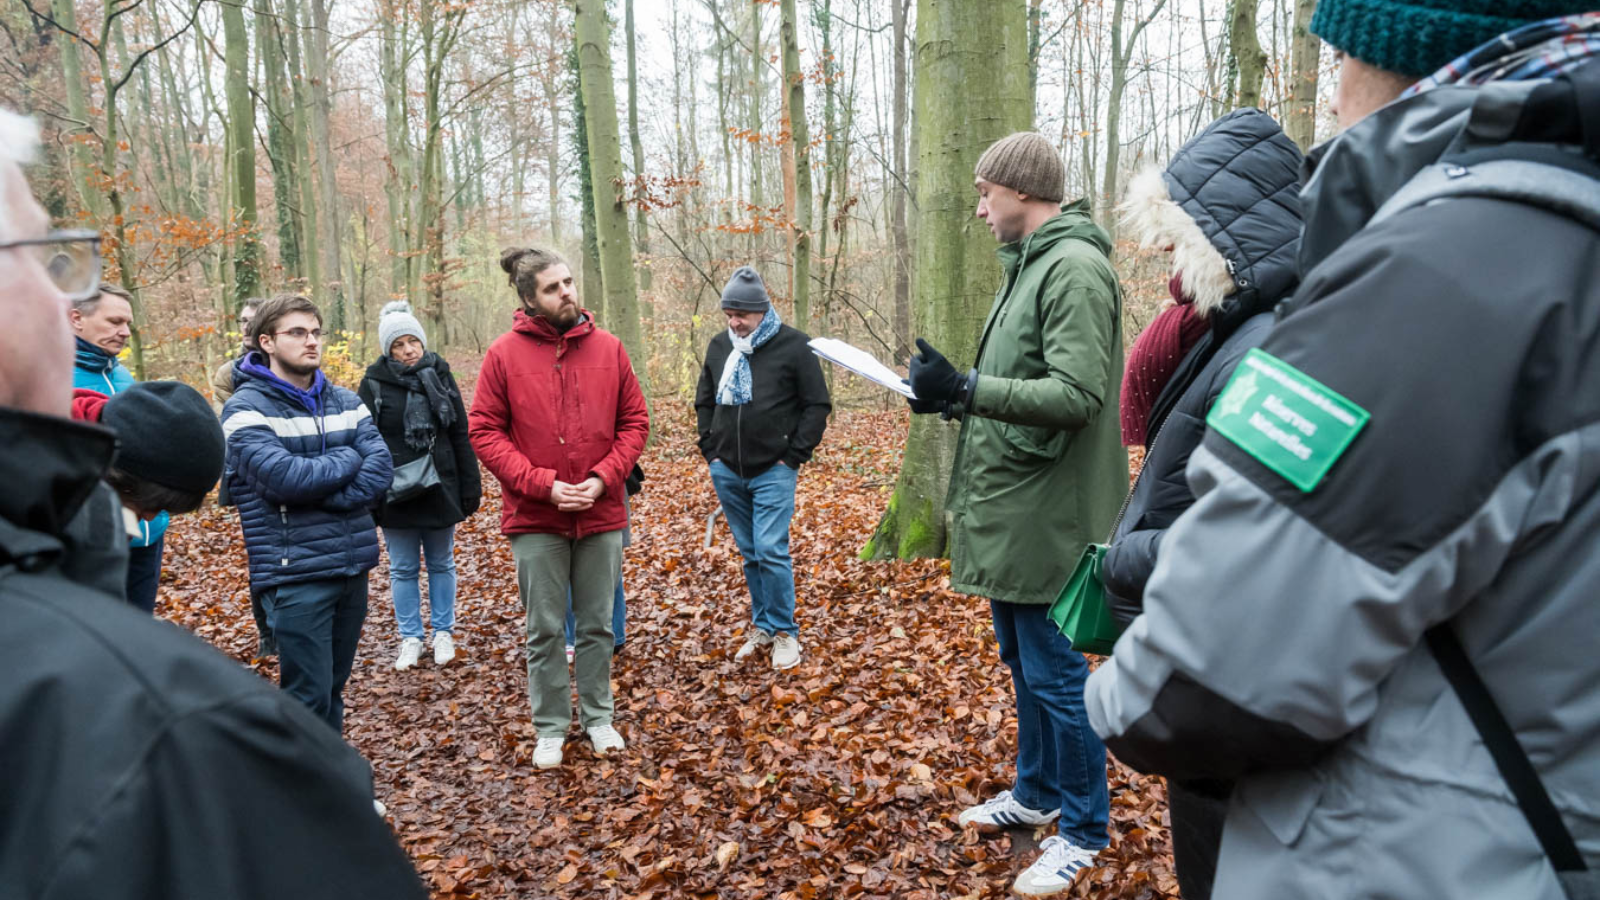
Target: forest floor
{"points": [[839, 778]]}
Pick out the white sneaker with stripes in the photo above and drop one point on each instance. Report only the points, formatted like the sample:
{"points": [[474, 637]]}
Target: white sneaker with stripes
{"points": [[1053, 872], [1002, 812]]}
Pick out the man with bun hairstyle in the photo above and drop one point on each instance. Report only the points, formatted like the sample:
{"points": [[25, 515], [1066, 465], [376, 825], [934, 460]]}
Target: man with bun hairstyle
{"points": [[1378, 617], [559, 418], [761, 406], [1039, 472]]}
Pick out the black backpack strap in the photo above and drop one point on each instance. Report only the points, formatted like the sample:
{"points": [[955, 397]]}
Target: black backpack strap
{"points": [[1561, 190], [1503, 746]]}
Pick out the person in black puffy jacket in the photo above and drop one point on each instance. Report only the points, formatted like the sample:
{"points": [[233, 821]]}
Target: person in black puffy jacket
{"points": [[1227, 206], [418, 409]]}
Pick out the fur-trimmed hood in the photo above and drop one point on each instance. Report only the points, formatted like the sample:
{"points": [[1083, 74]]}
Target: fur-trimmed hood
{"points": [[1229, 207]]}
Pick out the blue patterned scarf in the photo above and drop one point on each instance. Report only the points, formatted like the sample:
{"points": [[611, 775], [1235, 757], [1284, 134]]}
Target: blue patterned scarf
{"points": [[733, 389], [1542, 49]]}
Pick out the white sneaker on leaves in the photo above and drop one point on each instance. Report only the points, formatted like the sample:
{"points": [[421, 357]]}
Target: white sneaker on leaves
{"points": [[379, 808], [571, 652], [1053, 872], [410, 652], [547, 753], [444, 647], [785, 651], [754, 642], [605, 739], [1002, 812]]}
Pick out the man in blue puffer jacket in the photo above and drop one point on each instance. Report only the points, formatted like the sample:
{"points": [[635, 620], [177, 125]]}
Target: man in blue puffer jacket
{"points": [[102, 326], [305, 464]]}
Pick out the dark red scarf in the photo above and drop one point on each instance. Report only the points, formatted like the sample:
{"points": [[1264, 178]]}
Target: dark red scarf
{"points": [[1154, 357]]}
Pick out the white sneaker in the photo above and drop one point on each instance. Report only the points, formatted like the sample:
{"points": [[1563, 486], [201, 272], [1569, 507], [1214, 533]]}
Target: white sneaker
{"points": [[754, 642], [547, 753], [1002, 812], [1053, 872], [379, 808], [605, 739], [444, 647], [571, 652], [410, 651], [785, 651]]}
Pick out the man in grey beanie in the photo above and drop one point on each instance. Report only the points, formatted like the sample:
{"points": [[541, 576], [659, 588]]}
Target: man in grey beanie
{"points": [[761, 406], [1039, 472]]}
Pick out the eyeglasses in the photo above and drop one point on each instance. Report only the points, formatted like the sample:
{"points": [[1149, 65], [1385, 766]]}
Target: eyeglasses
{"points": [[72, 259], [300, 334]]}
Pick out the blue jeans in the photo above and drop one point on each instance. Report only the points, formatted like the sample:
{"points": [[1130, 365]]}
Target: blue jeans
{"points": [[144, 574], [1060, 760], [618, 618], [758, 510], [407, 549], [317, 624]]}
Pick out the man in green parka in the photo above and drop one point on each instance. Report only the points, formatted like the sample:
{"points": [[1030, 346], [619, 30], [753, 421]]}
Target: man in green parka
{"points": [[1039, 472]]}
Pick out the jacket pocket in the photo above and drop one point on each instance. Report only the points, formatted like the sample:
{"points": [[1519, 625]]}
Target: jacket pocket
{"points": [[1033, 444], [1283, 800]]}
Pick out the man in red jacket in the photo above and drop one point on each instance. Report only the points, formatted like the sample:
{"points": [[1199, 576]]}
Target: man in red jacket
{"points": [[559, 419]]}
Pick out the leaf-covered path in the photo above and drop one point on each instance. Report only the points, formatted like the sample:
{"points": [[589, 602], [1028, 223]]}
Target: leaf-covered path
{"points": [[840, 778]]}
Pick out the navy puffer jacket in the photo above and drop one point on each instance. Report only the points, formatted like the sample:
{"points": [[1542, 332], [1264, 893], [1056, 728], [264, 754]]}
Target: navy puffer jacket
{"points": [[1229, 205], [305, 468]]}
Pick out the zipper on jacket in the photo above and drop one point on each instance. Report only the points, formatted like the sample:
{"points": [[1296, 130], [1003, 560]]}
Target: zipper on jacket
{"points": [[1127, 501], [738, 437], [283, 516]]}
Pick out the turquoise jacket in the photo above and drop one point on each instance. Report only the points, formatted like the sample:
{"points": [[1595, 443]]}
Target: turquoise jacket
{"points": [[96, 370]]}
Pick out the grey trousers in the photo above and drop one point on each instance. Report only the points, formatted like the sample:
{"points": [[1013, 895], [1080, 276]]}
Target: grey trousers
{"points": [[547, 566]]}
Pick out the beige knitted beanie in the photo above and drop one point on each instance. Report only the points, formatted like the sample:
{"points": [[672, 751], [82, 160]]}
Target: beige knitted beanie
{"points": [[1026, 163]]}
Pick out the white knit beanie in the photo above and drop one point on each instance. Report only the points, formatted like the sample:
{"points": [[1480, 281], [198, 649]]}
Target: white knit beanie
{"points": [[396, 321]]}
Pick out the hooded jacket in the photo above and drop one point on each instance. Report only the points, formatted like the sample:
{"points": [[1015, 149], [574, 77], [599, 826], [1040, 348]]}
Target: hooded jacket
{"points": [[1229, 204], [141, 762], [1282, 639], [460, 483], [96, 370], [551, 406], [1039, 468], [787, 412], [305, 468]]}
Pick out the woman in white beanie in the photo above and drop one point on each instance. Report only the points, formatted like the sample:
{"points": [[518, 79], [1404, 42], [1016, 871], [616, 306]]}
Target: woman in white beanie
{"points": [[418, 409]]}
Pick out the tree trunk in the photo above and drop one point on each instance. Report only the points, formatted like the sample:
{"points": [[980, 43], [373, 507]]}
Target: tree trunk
{"points": [[400, 186], [1121, 54], [593, 285], [641, 234], [307, 213], [605, 160], [1301, 121], [1035, 21], [972, 89], [280, 139], [897, 210], [318, 63], [242, 164], [85, 167], [800, 147], [1247, 57]]}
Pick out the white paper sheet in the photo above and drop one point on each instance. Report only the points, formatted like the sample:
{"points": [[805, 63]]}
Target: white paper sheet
{"points": [[862, 363]]}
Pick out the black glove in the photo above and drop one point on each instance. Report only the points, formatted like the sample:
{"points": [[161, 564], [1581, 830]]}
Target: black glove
{"points": [[933, 379], [634, 483], [921, 406]]}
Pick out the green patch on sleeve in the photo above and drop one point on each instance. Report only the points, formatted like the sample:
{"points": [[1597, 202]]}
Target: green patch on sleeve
{"points": [[1290, 422]]}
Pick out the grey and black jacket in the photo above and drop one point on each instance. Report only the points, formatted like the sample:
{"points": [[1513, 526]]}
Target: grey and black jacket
{"points": [[1236, 185], [1282, 639], [139, 761]]}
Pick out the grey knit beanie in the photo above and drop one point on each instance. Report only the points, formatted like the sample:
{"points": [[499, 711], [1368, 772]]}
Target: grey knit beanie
{"points": [[396, 321], [1026, 163], [745, 291]]}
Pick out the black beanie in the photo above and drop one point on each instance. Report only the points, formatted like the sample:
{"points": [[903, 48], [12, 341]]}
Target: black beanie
{"points": [[746, 292], [166, 433]]}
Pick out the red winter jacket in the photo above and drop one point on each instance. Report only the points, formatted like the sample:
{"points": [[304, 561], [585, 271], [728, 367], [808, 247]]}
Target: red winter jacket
{"points": [[552, 406]]}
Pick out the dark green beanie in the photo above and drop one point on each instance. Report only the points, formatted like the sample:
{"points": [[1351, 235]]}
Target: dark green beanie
{"points": [[1419, 37]]}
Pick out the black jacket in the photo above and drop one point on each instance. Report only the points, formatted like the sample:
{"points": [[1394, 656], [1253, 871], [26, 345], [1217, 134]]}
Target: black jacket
{"points": [[139, 761], [787, 412], [461, 487], [1239, 181]]}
